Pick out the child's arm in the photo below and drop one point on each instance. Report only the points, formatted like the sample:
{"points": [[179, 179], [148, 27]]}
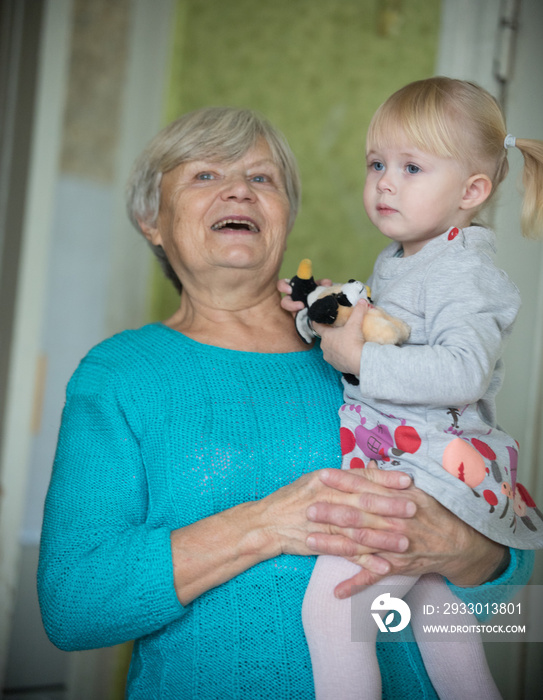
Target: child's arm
{"points": [[452, 358], [342, 347]]}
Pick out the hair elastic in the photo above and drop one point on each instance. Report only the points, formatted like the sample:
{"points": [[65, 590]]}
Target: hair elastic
{"points": [[509, 142]]}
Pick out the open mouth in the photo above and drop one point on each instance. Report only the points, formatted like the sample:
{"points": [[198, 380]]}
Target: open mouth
{"points": [[236, 224]]}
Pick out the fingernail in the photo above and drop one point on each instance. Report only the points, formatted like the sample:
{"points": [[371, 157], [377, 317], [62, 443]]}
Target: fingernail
{"points": [[405, 480], [403, 544], [311, 542], [327, 474], [311, 513], [380, 566], [410, 509]]}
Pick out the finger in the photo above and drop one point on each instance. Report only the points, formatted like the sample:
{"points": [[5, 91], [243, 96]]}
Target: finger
{"points": [[371, 574], [284, 287], [321, 329], [374, 565], [358, 542], [349, 479], [407, 564], [292, 306], [325, 282], [335, 545], [340, 515], [357, 314], [383, 540], [367, 510]]}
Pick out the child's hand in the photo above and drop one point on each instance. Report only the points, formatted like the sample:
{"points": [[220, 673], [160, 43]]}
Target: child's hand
{"points": [[294, 306], [342, 347]]}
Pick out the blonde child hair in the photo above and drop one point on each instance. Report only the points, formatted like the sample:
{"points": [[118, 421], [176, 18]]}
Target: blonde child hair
{"points": [[458, 119]]}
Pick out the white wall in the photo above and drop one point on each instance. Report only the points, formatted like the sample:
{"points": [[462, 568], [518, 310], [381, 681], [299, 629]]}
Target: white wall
{"points": [[472, 48], [25, 342], [84, 277], [98, 264]]}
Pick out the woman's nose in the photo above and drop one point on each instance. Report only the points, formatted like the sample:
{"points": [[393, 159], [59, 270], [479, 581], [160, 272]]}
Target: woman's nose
{"points": [[237, 187]]}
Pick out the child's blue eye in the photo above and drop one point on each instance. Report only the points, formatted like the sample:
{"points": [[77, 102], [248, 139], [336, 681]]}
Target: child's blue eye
{"points": [[378, 166], [413, 169]]}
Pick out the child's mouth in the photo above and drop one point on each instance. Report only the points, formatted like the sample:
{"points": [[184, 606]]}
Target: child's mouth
{"points": [[385, 210]]}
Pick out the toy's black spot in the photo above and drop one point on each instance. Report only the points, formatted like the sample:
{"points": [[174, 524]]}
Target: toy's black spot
{"points": [[301, 288], [351, 379], [324, 310], [342, 299]]}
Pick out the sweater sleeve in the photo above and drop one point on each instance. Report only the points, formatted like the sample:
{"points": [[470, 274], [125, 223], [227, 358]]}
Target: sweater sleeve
{"points": [[105, 576], [467, 308], [501, 589]]}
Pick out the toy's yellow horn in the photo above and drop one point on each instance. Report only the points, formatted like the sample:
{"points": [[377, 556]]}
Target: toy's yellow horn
{"points": [[302, 283], [305, 269]]}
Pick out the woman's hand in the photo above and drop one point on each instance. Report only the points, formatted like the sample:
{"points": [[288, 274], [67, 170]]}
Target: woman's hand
{"points": [[293, 307], [439, 542], [286, 301], [342, 346], [356, 513], [350, 513]]}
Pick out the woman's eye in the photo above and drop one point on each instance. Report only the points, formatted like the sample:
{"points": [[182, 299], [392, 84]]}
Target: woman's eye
{"points": [[260, 178], [413, 169], [205, 176]]}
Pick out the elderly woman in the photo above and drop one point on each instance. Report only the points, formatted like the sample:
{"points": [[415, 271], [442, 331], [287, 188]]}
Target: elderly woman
{"points": [[196, 473]]}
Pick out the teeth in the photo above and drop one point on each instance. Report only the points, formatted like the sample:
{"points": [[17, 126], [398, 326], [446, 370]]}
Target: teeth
{"points": [[239, 222]]}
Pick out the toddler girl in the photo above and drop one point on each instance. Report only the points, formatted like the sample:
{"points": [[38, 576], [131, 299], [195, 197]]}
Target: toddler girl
{"points": [[436, 152]]}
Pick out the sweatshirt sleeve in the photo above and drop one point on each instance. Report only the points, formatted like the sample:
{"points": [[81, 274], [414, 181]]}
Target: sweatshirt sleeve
{"points": [[104, 576], [466, 308]]}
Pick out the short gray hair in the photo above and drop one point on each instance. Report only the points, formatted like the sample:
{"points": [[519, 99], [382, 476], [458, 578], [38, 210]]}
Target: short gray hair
{"points": [[222, 133]]}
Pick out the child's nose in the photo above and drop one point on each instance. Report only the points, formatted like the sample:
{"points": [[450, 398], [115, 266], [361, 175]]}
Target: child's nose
{"points": [[386, 182]]}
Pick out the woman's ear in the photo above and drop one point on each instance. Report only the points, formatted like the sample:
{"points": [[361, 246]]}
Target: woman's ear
{"points": [[477, 191], [151, 233]]}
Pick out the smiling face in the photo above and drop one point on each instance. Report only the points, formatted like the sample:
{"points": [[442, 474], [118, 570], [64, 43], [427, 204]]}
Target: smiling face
{"points": [[413, 196], [223, 216]]}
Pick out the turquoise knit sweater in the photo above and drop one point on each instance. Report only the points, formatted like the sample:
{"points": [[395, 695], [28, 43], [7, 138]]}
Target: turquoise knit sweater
{"points": [[159, 431]]}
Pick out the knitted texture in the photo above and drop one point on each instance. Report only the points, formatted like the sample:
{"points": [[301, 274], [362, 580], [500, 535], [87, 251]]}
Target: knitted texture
{"points": [[159, 431]]}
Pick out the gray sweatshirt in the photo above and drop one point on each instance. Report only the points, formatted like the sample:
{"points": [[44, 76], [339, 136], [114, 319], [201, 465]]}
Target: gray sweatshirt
{"points": [[428, 407]]}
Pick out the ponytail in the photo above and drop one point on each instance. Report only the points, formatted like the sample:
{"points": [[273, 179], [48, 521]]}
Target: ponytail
{"points": [[531, 217]]}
